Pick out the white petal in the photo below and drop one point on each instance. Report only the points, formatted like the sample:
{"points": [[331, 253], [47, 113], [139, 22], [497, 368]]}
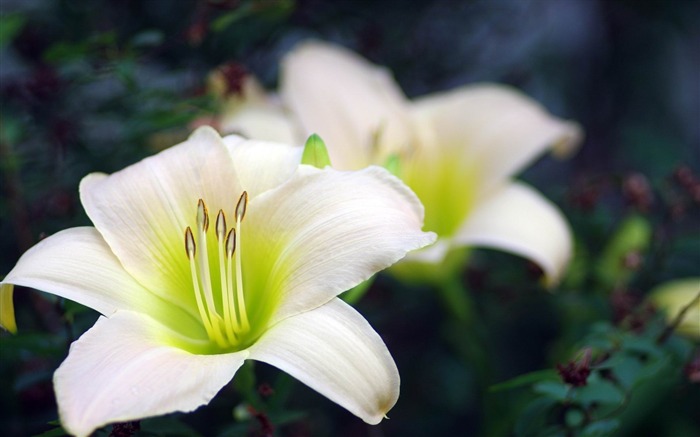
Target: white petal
{"points": [[262, 165], [520, 220], [265, 123], [346, 100], [77, 264], [119, 370], [495, 126], [331, 231], [142, 211], [333, 350]]}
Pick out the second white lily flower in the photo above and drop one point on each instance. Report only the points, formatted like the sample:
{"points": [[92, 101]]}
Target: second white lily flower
{"points": [[458, 150]]}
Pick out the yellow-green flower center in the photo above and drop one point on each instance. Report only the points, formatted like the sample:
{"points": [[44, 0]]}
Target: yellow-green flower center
{"points": [[446, 184], [220, 300]]}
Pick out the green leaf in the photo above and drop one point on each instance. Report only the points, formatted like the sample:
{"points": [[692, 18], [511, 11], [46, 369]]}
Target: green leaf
{"points": [[641, 345], [599, 391], [55, 432], [574, 418], [532, 419], [148, 38], [166, 425], [601, 428], [393, 164], [526, 379], [626, 369], [315, 152], [556, 390], [10, 26], [633, 235], [227, 19], [354, 295]]}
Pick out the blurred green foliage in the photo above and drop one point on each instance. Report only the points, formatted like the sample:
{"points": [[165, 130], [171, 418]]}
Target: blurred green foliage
{"points": [[95, 86]]}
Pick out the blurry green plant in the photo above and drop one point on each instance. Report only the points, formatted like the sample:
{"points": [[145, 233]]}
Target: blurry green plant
{"points": [[604, 385]]}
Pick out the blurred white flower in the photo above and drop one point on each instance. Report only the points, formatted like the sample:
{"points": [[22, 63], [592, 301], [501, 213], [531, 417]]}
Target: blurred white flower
{"points": [[458, 150]]}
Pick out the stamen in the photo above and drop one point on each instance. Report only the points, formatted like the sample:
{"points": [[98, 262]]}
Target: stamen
{"points": [[230, 249], [225, 300], [225, 331], [203, 260], [191, 249], [240, 213]]}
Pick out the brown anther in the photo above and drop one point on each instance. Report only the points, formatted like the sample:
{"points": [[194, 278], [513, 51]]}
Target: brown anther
{"points": [[241, 206], [220, 225], [190, 246], [202, 215]]}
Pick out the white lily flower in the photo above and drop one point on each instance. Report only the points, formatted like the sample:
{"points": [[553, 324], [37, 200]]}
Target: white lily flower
{"points": [[213, 252], [459, 151]]}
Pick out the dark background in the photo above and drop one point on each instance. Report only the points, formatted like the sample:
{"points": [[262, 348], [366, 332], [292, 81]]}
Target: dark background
{"points": [[96, 85]]}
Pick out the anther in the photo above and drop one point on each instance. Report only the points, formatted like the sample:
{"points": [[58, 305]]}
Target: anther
{"points": [[220, 225], [231, 242], [202, 216], [241, 206], [190, 246]]}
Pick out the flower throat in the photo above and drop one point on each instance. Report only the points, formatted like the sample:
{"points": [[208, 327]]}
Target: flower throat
{"points": [[226, 329]]}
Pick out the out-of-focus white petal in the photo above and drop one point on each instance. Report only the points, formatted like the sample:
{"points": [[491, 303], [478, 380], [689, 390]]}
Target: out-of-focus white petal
{"points": [[262, 165], [77, 264], [142, 211], [120, 370], [520, 220], [495, 126], [331, 231], [261, 123], [333, 350], [355, 106]]}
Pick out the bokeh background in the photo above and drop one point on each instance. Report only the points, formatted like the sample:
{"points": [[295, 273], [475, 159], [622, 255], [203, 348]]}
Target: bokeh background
{"points": [[96, 85]]}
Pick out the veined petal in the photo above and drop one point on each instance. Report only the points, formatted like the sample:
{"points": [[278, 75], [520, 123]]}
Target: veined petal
{"points": [[143, 210], [520, 220], [262, 165], [119, 370], [331, 231], [495, 126], [333, 350], [356, 107], [78, 265]]}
